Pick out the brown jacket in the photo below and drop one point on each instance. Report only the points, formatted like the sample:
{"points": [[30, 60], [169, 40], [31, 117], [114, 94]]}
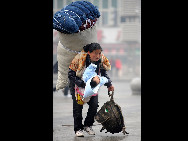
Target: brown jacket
{"points": [[78, 63]]}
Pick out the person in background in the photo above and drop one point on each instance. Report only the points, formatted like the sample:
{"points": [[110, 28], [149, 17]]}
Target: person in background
{"points": [[118, 67], [55, 71]]}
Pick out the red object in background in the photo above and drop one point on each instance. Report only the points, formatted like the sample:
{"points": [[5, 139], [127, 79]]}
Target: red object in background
{"points": [[113, 51], [118, 36], [121, 51], [99, 35], [118, 64]]}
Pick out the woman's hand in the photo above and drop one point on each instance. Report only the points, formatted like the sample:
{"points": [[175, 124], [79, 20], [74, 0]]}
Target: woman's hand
{"points": [[111, 88]]}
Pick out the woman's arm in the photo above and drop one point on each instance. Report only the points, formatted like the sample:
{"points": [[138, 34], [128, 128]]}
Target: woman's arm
{"points": [[104, 73], [76, 80], [109, 83], [72, 72]]}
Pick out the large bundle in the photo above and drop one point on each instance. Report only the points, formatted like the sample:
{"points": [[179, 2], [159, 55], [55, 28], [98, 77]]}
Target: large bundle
{"points": [[111, 118], [75, 16], [75, 24]]}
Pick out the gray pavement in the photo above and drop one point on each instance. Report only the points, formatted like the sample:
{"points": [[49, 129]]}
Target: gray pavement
{"points": [[63, 129]]}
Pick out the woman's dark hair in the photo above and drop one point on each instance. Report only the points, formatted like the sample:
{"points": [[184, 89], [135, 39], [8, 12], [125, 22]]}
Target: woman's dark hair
{"points": [[91, 47]]}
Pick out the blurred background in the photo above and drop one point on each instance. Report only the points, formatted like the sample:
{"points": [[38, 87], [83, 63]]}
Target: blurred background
{"points": [[118, 32]]}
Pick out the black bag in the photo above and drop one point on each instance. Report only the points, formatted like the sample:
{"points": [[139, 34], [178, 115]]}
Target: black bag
{"points": [[110, 116]]}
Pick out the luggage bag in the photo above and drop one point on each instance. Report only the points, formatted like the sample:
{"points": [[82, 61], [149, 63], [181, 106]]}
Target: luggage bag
{"points": [[110, 116]]}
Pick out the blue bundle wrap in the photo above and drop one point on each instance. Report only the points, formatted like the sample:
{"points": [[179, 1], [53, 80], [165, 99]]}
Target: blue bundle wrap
{"points": [[63, 23], [76, 10], [74, 16], [81, 6], [94, 9], [71, 17], [90, 14]]}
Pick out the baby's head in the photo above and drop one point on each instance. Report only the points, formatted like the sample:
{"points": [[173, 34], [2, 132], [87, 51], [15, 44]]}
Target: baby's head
{"points": [[94, 81]]}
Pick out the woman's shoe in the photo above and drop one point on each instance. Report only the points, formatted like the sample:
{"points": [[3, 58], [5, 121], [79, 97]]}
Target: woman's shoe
{"points": [[80, 133], [89, 130]]}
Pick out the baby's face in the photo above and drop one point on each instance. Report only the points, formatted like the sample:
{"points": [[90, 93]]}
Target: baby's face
{"points": [[96, 79]]}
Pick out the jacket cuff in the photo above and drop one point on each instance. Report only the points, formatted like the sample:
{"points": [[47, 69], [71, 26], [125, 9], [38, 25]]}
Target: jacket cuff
{"points": [[108, 84], [80, 83]]}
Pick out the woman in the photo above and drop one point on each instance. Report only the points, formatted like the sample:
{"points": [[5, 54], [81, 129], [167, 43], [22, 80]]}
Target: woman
{"points": [[91, 53]]}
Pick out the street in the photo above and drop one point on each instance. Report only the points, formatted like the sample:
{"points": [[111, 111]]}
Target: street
{"points": [[63, 128]]}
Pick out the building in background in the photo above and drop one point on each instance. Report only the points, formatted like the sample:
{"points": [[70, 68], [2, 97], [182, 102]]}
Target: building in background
{"points": [[118, 31]]}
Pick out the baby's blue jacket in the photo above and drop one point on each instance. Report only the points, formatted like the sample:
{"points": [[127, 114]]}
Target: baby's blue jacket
{"points": [[87, 76]]}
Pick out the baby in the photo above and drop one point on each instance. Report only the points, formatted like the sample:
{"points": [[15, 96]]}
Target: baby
{"points": [[93, 82]]}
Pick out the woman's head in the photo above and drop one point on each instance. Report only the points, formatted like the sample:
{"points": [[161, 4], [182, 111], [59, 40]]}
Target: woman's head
{"points": [[94, 50]]}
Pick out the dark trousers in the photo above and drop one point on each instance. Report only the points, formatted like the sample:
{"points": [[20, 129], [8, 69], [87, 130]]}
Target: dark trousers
{"points": [[77, 111]]}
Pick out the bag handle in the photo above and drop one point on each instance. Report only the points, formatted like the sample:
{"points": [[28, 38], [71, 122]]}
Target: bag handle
{"points": [[112, 94]]}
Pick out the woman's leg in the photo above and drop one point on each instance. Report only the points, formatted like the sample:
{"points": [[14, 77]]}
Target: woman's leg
{"points": [[93, 105], [77, 111]]}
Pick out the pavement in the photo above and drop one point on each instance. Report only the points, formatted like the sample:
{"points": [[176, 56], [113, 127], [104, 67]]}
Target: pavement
{"points": [[63, 128]]}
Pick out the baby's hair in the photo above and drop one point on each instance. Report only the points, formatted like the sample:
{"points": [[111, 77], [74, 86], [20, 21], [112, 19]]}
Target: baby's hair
{"points": [[93, 83], [91, 47]]}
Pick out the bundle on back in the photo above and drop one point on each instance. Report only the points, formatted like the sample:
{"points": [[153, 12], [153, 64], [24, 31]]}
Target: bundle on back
{"points": [[76, 17], [76, 28]]}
